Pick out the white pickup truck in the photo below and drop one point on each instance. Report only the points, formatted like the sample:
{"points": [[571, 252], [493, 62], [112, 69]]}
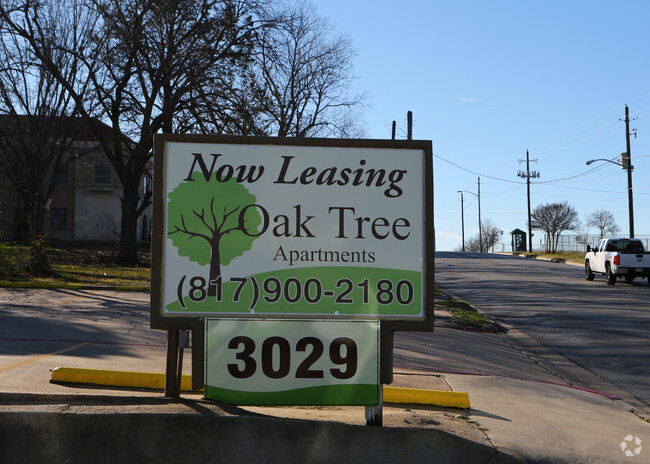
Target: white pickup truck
{"points": [[617, 257]]}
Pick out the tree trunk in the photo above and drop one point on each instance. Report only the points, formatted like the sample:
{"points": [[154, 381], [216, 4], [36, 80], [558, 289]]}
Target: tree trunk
{"points": [[38, 220], [215, 268], [34, 217], [128, 254]]}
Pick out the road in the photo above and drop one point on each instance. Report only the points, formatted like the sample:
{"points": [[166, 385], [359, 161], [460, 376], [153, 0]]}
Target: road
{"points": [[603, 328]]}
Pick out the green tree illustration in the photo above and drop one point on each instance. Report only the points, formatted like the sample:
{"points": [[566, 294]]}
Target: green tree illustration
{"points": [[208, 221]]}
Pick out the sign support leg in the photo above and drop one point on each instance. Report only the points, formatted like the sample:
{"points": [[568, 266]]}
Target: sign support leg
{"points": [[198, 364], [374, 414], [172, 389], [183, 342]]}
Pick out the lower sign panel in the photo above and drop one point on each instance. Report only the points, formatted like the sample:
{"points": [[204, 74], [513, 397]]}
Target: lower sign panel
{"points": [[292, 362]]}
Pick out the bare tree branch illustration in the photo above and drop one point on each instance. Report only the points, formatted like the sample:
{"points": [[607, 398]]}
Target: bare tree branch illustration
{"points": [[223, 223], [186, 231], [213, 213]]}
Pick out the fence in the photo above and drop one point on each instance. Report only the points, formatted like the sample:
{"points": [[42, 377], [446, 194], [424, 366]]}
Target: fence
{"points": [[567, 242]]}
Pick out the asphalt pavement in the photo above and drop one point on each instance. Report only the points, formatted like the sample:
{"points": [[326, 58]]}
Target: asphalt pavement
{"points": [[601, 327], [523, 399]]}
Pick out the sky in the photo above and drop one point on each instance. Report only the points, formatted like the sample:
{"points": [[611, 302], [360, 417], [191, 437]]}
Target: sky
{"points": [[487, 81]]}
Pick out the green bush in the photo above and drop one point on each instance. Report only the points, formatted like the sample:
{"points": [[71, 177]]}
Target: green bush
{"points": [[11, 266], [39, 260]]}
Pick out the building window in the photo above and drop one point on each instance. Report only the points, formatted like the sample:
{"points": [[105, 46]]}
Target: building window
{"points": [[102, 174], [62, 176], [59, 219]]}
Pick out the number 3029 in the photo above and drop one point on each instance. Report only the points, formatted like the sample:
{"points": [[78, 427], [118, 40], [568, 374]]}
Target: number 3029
{"points": [[276, 355]]}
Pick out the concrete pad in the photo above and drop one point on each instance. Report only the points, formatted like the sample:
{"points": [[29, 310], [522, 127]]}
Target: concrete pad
{"points": [[409, 378]]}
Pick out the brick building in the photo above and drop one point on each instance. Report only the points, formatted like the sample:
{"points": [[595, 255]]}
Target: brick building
{"points": [[85, 205]]}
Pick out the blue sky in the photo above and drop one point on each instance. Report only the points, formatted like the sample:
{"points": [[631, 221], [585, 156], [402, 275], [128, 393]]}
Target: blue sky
{"points": [[487, 81]]}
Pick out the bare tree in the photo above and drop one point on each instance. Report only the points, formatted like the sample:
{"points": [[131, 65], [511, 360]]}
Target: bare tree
{"points": [[302, 71], [148, 63], [38, 127], [490, 235], [471, 244], [604, 221], [553, 219], [183, 66]]}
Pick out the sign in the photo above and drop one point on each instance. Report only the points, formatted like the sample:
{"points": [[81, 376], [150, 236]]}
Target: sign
{"points": [[286, 230], [292, 362]]}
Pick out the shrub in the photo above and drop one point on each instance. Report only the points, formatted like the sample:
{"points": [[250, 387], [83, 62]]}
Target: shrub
{"points": [[10, 266], [39, 261]]}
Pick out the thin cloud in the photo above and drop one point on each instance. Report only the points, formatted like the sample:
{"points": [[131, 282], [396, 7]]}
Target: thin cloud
{"points": [[467, 99], [443, 233]]}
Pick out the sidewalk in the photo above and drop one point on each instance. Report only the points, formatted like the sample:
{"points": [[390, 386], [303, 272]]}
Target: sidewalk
{"points": [[523, 408]]}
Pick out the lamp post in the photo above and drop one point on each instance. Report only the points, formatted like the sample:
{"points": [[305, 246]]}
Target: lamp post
{"points": [[627, 165], [480, 229]]}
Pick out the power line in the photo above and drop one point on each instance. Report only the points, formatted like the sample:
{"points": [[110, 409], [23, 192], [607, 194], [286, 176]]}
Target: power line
{"points": [[589, 171], [505, 191], [575, 139], [476, 173], [579, 139], [583, 189]]}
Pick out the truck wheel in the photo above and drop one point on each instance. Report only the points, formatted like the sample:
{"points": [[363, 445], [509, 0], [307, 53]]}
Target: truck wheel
{"points": [[588, 274], [609, 275]]}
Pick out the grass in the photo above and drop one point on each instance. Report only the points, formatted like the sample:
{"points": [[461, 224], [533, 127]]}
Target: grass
{"points": [[464, 314], [95, 264], [565, 256], [86, 264]]}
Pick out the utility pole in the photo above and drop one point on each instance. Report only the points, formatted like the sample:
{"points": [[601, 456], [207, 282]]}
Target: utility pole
{"points": [[409, 127], [527, 175], [462, 218], [409, 124], [480, 228], [627, 164]]}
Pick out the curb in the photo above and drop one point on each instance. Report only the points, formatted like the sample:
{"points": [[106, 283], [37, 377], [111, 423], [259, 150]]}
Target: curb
{"points": [[121, 288], [156, 381], [146, 380], [449, 399]]}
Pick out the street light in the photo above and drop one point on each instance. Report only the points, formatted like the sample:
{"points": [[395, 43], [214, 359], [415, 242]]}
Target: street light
{"points": [[627, 165], [603, 159], [480, 231]]}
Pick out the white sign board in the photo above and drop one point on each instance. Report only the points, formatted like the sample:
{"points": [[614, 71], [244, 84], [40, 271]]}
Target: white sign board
{"points": [[298, 362], [293, 231]]}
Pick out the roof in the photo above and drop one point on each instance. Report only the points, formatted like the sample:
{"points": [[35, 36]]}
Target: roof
{"points": [[80, 127]]}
